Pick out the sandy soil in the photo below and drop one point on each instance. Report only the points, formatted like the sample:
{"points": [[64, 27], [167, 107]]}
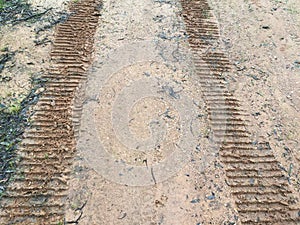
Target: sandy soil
{"points": [[261, 38], [138, 47], [142, 43], [263, 41], [29, 61]]}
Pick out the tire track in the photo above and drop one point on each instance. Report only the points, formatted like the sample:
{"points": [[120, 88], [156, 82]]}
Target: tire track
{"points": [[36, 196], [261, 191]]}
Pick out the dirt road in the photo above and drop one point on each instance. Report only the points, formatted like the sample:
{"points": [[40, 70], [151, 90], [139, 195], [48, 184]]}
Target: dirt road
{"points": [[147, 118]]}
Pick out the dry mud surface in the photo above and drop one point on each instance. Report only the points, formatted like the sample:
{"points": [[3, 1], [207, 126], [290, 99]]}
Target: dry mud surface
{"points": [[164, 112]]}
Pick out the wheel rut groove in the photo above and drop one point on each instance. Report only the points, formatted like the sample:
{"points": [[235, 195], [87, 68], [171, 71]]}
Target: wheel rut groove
{"points": [[261, 191], [36, 196]]}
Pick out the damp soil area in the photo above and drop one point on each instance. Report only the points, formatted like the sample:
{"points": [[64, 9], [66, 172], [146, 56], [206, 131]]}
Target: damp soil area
{"points": [[23, 28]]}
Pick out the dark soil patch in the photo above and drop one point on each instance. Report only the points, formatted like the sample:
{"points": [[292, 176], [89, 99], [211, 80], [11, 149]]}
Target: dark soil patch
{"points": [[14, 120], [17, 11], [5, 57]]}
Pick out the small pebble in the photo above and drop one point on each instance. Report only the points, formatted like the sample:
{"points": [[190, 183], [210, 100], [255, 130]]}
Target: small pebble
{"points": [[211, 197], [197, 200]]}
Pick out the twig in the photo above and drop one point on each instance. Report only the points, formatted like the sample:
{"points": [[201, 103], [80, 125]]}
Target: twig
{"points": [[152, 174], [79, 217], [75, 221], [81, 208], [30, 17]]}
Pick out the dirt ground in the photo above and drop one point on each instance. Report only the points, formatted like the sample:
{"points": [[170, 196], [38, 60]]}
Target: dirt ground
{"points": [[261, 40], [142, 82], [28, 43], [151, 190]]}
